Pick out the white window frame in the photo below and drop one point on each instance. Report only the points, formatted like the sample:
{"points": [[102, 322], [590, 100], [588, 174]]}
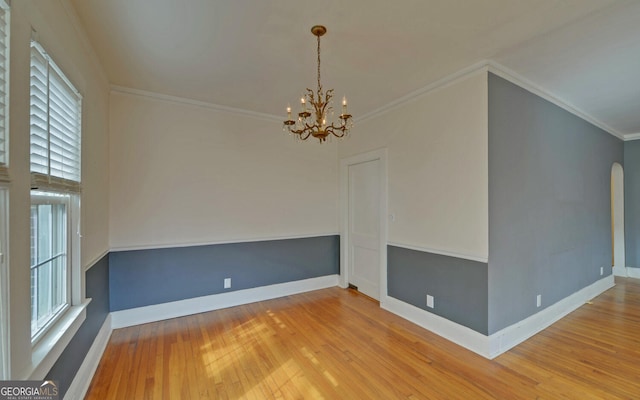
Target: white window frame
{"points": [[4, 283], [43, 198], [48, 346], [5, 19]]}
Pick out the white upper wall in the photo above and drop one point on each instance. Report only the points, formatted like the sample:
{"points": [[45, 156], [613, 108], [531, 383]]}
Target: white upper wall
{"points": [[56, 30], [185, 174], [437, 167]]}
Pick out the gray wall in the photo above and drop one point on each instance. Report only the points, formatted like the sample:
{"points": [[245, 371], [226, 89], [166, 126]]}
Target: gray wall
{"points": [[145, 277], [459, 286], [97, 288], [632, 203], [549, 202]]}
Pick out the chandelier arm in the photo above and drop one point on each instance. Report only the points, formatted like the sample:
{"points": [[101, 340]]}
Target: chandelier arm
{"points": [[296, 131], [307, 128], [311, 128], [332, 129]]}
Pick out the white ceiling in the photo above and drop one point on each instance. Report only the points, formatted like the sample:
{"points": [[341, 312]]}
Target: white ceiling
{"points": [[259, 55]]}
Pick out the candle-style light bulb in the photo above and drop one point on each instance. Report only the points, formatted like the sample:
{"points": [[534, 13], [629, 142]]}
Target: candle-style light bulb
{"points": [[288, 112], [344, 105], [303, 103]]}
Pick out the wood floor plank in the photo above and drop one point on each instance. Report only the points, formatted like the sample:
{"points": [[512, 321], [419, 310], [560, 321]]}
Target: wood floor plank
{"points": [[339, 344]]}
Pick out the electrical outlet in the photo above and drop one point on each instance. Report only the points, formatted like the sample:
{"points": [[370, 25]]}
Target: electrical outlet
{"points": [[601, 270], [429, 301], [538, 300], [227, 283]]}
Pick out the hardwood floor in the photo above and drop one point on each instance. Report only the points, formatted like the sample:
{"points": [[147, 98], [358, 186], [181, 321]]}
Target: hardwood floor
{"points": [[338, 344]]}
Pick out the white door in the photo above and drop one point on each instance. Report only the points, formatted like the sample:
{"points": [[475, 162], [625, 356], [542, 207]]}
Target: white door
{"points": [[364, 227]]}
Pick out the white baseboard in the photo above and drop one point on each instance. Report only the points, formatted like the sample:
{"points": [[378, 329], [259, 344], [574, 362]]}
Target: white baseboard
{"points": [[633, 272], [82, 380], [459, 334], [174, 309], [627, 272], [619, 271], [493, 345], [517, 333]]}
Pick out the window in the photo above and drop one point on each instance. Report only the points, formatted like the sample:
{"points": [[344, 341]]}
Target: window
{"points": [[49, 253], [4, 177], [55, 122], [55, 126]]}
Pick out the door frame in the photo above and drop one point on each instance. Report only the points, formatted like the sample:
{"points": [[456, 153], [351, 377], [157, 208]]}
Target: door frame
{"points": [[618, 256], [381, 156]]}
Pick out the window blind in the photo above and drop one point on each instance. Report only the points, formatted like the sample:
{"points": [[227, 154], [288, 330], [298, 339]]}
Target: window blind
{"points": [[4, 90], [55, 120]]}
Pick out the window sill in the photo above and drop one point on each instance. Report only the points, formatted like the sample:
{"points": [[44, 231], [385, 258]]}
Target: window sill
{"points": [[48, 349]]}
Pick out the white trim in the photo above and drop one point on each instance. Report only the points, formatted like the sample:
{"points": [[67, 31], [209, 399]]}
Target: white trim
{"points": [[633, 272], [505, 339], [478, 67], [214, 242], [174, 309], [50, 347], [528, 85], [440, 252], [197, 103], [517, 333], [632, 136], [619, 271], [459, 334], [627, 272], [450, 79], [93, 262], [80, 384], [5, 289], [617, 215], [381, 155], [505, 73]]}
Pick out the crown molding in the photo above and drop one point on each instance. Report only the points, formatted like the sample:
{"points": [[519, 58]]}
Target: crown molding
{"points": [[481, 66], [525, 83], [505, 73], [197, 103], [631, 136]]}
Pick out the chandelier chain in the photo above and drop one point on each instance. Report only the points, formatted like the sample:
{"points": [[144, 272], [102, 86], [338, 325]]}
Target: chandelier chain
{"points": [[319, 86]]}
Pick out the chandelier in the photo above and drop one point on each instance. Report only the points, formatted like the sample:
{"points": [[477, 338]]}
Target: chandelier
{"points": [[315, 123]]}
